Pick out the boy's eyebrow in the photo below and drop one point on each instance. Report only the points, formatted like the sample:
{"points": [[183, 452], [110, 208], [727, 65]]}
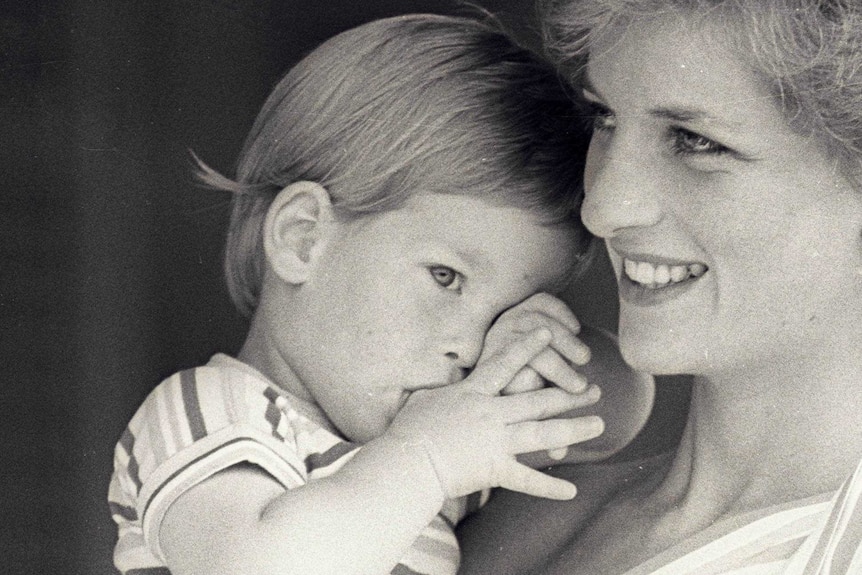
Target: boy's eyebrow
{"points": [[473, 258], [554, 284]]}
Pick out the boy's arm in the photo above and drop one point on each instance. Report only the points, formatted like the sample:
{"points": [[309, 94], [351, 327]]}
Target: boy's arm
{"points": [[359, 520], [445, 442]]}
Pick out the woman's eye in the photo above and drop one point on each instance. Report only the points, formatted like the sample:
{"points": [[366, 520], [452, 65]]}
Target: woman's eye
{"points": [[447, 277], [600, 118], [686, 142]]}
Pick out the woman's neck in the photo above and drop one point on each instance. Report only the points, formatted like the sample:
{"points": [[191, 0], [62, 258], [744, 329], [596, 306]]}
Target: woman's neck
{"points": [[764, 437]]}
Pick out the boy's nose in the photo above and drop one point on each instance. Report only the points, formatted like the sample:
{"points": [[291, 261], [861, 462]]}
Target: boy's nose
{"points": [[465, 347]]}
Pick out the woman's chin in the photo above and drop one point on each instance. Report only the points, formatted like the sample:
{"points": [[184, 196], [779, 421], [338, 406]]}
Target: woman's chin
{"points": [[656, 355]]}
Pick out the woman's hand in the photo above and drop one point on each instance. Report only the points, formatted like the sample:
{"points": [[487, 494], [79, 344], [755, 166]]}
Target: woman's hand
{"points": [[471, 434]]}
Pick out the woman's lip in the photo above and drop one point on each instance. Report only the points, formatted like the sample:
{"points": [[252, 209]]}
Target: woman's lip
{"points": [[651, 258], [646, 278], [657, 276], [632, 292]]}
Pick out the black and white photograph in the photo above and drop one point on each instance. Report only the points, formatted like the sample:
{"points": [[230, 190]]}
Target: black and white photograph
{"points": [[431, 287]]}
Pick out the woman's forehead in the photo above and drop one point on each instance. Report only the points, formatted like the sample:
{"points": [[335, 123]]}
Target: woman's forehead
{"points": [[673, 62]]}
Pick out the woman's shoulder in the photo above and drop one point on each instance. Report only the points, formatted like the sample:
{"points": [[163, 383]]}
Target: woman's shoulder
{"points": [[514, 533], [626, 402]]}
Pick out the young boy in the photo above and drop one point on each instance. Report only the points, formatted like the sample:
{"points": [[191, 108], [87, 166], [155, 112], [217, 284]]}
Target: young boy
{"points": [[407, 184]]}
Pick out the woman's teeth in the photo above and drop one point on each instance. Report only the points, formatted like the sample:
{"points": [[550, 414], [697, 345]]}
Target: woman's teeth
{"points": [[657, 276]]}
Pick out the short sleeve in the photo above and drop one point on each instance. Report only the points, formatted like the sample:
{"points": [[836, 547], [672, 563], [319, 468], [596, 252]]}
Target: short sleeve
{"points": [[195, 424]]}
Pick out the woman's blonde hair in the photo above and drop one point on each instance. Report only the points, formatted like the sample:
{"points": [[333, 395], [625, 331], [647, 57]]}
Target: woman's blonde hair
{"points": [[409, 104], [808, 51]]}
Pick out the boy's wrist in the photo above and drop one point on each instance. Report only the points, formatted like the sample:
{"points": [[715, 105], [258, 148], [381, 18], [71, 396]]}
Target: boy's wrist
{"points": [[408, 466]]}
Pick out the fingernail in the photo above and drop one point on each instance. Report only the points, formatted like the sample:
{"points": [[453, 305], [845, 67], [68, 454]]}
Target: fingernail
{"points": [[596, 425], [558, 454], [583, 357]]}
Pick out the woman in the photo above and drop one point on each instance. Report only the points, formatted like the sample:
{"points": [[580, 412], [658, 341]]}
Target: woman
{"points": [[725, 178]]}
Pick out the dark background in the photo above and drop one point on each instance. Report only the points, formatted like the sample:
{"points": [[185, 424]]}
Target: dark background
{"points": [[110, 256]]}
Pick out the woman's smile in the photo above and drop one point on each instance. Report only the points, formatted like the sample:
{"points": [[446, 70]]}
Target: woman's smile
{"points": [[647, 279], [700, 237], [643, 291], [658, 276]]}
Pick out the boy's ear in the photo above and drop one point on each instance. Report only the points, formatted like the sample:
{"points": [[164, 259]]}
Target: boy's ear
{"points": [[294, 226]]}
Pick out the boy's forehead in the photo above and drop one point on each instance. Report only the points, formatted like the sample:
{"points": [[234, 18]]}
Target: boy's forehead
{"points": [[492, 237], [549, 262]]}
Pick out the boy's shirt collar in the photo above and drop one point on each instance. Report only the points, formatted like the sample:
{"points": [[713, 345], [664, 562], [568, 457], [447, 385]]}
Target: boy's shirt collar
{"points": [[302, 406]]}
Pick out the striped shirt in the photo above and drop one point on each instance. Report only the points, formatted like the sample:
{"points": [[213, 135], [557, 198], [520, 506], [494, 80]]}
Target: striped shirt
{"points": [[820, 535], [203, 420]]}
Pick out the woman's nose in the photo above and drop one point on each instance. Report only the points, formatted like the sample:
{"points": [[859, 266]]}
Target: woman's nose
{"points": [[620, 190]]}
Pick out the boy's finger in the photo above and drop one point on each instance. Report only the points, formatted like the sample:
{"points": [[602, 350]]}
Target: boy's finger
{"points": [[525, 380], [570, 346], [558, 454], [516, 477], [553, 307], [557, 370], [552, 434], [497, 371], [543, 403], [565, 339]]}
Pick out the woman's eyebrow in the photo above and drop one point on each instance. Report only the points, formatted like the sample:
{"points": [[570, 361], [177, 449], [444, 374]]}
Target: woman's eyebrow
{"points": [[686, 115], [682, 114], [679, 114]]}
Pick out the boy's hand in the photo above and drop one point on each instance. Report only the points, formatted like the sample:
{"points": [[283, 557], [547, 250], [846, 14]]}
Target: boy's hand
{"points": [[471, 434], [554, 364]]}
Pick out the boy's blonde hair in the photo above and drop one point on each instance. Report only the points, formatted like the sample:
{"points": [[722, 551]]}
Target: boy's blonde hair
{"points": [[404, 105]]}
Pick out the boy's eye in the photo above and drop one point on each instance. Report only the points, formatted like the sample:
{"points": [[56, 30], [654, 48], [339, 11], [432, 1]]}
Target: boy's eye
{"points": [[446, 277]]}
